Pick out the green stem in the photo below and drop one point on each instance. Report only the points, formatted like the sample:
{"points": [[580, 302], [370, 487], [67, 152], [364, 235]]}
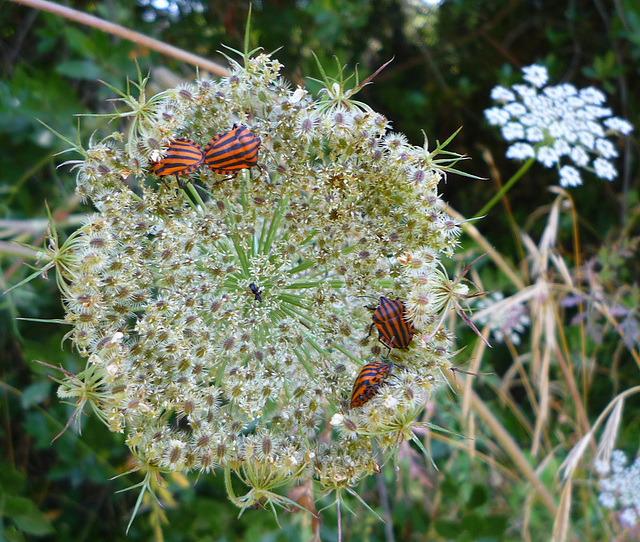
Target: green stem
{"points": [[525, 167], [17, 186]]}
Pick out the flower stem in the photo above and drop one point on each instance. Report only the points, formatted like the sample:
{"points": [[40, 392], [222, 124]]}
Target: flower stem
{"points": [[525, 167]]}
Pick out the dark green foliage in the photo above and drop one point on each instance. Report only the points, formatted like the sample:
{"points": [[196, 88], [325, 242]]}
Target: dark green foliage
{"points": [[445, 64]]}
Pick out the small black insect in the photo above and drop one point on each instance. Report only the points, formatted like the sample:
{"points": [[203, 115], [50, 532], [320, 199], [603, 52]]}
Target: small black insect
{"points": [[256, 292]]}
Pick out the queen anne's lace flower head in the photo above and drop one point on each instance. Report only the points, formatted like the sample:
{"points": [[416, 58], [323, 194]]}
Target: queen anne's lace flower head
{"points": [[556, 125], [226, 330], [620, 487]]}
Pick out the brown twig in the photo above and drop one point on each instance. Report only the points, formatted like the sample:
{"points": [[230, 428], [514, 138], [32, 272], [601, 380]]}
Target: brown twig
{"points": [[117, 30]]}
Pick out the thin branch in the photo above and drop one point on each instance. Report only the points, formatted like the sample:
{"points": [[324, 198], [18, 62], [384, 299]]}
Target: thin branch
{"points": [[37, 226], [14, 249], [117, 30]]}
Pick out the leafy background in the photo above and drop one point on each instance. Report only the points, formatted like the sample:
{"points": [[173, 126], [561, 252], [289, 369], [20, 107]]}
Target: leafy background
{"points": [[446, 59]]}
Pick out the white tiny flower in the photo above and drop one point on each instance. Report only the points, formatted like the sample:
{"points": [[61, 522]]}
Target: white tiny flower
{"points": [[575, 104], [601, 467], [496, 116], [337, 419], [606, 148], [561, 147], [604, 169], [592, 95], [596, 112], [628, 517], [155, 156], [515, 109], [619, 125], [558, 129], [534, 134], [587, 140], [547, 156], [514, 338], [525, 91], [520, 151], [607, 500], [571, 132], [536, 75], [567, 90], [579, 156], [513, 131], [390, 402], [530, 120], [618, 461], [502, 94], [595, 128], [569, 176], [298, 95]]}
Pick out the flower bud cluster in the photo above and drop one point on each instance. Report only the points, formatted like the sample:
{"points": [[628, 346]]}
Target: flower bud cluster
{"points": [[199, 372]]}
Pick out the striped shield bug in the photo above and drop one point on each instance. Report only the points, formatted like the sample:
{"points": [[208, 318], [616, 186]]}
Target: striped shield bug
{"points": [[232, 151], [181, 158], [394, 328], [371, 377]]}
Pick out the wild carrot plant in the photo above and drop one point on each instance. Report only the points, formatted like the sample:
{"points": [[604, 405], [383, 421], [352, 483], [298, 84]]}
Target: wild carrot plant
{"points": [[223, 325]]}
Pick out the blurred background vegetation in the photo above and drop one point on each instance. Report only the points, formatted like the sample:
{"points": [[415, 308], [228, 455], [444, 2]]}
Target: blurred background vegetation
{"points": [[446, 60]]}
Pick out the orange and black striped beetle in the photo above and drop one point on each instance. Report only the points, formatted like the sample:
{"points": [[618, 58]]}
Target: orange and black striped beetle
{"points": [[231, 151], [371, 377], [394, 328], [181, 158]]}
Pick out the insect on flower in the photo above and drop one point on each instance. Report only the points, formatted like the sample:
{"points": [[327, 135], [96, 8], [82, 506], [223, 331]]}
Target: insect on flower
{"points": [[394, 328], [371, 377], [181, 158], [256, 292], [232, 151]]}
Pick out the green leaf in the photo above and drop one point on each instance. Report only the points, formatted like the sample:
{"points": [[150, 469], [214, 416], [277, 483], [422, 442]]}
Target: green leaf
{"points": [[478, 496], [36, 426], [35, 393], [11, 480], [82, 43], [496, 525], [11, 534], [474, 523], [25, 514], [447, 529], [80, 69]]}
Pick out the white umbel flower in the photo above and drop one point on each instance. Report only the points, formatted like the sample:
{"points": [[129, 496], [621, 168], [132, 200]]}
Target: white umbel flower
{"points": [[557, 124]]}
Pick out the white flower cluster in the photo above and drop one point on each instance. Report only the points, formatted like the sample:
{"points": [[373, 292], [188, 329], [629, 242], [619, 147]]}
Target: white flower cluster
{"points": [[555, 124], [224, 324], [621, 488], [505, 321]]}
